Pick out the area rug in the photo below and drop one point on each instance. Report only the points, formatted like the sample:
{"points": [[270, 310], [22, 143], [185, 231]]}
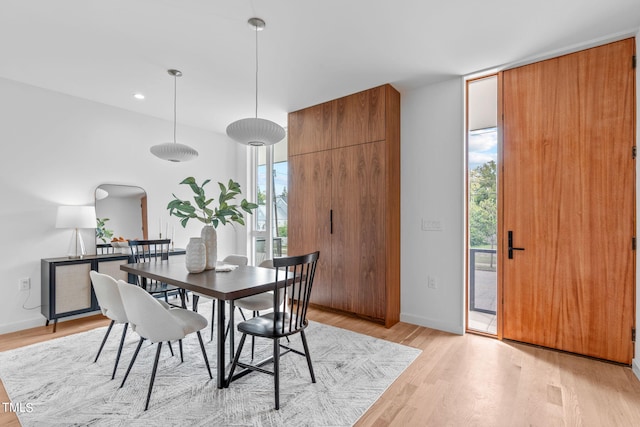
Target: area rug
{"points": [[56, 383]]}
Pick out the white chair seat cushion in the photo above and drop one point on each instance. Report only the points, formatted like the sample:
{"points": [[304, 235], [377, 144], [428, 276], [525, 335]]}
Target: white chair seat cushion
{"points": [[189, 320], [256, 302]]}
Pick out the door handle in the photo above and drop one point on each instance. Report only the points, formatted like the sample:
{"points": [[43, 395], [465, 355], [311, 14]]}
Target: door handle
{"points": [[510, 243], [331, 221]]}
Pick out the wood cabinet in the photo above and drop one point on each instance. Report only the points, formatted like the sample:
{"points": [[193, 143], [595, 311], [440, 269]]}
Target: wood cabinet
{"points": [[344, 200], [66, 286]]}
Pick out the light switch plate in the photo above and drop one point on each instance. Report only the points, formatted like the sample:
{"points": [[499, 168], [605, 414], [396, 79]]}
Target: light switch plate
{"points": [[431, 225]]}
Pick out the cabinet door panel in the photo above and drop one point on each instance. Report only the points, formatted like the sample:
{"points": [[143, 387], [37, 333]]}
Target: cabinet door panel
{"points": [[309, 216], [358, 239], [73, 287], [112, 268], [310, 129], [360, 118]]}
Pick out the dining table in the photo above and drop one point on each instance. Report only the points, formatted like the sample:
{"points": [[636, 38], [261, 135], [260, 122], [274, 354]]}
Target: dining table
{"points": [[224, 286]]}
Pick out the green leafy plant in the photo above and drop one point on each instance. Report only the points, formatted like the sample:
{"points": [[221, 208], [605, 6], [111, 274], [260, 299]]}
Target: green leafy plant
{"points": [[102, 232], [203, 209]]}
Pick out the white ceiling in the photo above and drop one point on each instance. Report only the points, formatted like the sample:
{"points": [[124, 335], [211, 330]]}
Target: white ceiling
{"points": [[311, 50]]}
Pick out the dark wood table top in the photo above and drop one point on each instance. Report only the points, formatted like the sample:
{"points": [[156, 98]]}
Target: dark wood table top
{"points": [[223, 285]]}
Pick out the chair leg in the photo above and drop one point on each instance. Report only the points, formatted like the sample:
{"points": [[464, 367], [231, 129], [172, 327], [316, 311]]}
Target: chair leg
{"points": [[253, 338], [124, 333], [236, 358], [183, 298], [194, 303], [242, 314], [104, 340], [170, 348], [306, 353], [276, 370], [153, 375], [181, 355], [204, 354], [133, 359]]}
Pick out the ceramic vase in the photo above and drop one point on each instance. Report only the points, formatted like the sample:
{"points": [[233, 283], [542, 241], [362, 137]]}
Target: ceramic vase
{"points": [[210, 239], [196, 257]]}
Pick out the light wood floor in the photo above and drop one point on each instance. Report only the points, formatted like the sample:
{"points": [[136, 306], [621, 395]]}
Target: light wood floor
{"points": [[461, 380]]}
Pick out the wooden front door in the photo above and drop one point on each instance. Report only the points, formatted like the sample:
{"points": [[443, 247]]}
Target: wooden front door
{"points": [[568, 195]]}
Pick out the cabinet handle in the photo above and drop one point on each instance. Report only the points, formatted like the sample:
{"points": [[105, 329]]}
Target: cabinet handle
{"points": [[331, 221]]}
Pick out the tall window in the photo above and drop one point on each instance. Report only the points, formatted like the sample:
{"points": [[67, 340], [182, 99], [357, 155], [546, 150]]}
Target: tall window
{"points": [[482, 168], [271, 181]]}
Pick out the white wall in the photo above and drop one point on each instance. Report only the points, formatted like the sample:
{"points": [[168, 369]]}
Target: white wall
{"points": [[56, 149], [432, 174]]}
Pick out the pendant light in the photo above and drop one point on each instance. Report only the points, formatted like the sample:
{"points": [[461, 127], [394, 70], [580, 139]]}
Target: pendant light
{"points": [[172, 151], [253, 130]]}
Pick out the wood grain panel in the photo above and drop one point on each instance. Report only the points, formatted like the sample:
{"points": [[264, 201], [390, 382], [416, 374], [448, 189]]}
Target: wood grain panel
{"points": [[309, 202], [309, 130], [392, 213], [569, 198], [360, 118], [358, 243]]}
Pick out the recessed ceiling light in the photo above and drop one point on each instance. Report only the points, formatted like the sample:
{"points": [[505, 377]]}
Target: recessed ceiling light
{"points": [[138, 96]]}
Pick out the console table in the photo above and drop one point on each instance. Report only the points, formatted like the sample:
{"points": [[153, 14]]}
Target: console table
{"points": [[66, 286]]}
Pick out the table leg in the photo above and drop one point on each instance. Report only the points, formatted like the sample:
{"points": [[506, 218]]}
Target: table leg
{"points": [[221, 368]]}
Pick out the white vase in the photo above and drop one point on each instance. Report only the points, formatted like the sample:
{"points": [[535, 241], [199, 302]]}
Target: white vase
{"points": [[210, 239], [196, 257]]}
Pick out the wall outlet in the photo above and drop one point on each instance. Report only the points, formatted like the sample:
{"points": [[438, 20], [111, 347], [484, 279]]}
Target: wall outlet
{"points": [[25, 284], [432, 282]]}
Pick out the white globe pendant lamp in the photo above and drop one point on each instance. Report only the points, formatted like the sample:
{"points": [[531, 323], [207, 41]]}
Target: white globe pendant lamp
{"points": [[253, 130], [173, 151]]}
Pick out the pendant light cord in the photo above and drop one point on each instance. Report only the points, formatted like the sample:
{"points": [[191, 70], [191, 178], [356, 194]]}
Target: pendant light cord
{"points": [[175, 92], [256, 71]]}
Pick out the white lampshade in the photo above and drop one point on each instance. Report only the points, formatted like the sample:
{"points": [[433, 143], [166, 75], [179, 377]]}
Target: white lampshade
{"points": [[255, 131], [174, 152], [101, 193], [76, 217]]}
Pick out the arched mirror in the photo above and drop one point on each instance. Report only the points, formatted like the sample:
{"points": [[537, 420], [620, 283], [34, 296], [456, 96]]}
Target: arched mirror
{"points": [[121, 211]]}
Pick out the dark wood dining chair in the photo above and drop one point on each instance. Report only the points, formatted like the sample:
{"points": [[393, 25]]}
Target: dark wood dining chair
{"points": [[155, 251], [282, 323]]}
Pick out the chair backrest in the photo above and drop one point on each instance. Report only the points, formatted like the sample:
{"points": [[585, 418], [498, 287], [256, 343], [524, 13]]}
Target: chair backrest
{"points": [[267, 263], [104, 248], [236, 260], [302, 270], [108, 296], [147, 315], [150, 250]]}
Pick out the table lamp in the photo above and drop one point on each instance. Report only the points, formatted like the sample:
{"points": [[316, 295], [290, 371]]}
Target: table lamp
{"points": [[76, 217]]}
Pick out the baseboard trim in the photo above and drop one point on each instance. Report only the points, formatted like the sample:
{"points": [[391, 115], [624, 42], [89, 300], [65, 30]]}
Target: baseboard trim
{"points": [[431, 323], [635, 367], [22, 325]]}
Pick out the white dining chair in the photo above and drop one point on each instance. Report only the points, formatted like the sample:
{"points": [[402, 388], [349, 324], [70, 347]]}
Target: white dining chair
{"points": [[153, 322], [257, 303], [239, 260], [108, 296]]}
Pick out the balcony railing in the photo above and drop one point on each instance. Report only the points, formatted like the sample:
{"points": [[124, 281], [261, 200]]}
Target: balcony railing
{"points": [[485, 280]]}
